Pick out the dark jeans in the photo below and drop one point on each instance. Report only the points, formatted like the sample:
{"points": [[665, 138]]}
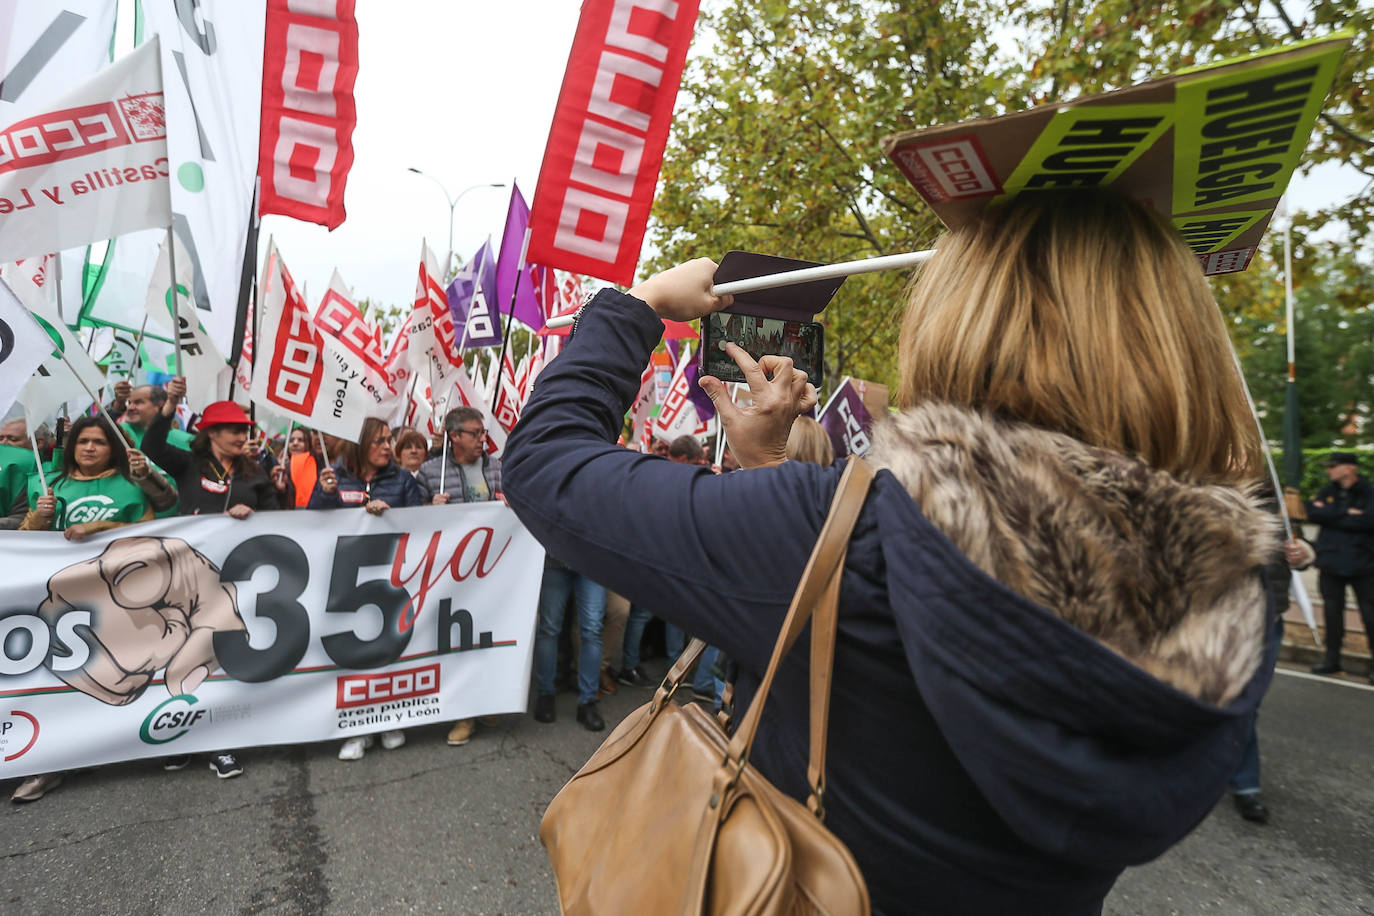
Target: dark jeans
{"points": [[1333, 588], [1246, 778]]}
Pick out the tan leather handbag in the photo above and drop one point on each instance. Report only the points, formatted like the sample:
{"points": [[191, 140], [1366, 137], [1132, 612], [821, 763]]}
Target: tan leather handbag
{"points": [[668, 816]]}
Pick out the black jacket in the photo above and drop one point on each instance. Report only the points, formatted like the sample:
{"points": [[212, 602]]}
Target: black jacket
{"points": [[198, 477], [392, 485], [988, 753], [1345, 546]]}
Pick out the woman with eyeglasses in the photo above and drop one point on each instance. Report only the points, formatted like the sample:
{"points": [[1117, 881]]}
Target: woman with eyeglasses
{"points": [[217, 475], [365, 475]]}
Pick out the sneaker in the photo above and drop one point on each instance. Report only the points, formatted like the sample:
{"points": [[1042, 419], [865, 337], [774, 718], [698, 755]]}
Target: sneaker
{"points": [[225, 765], [461, 733], [393, 739], [35, 787], [179, 762], [1326, 667], [635, 677], [590, 717], [1251, 808], [544, 710], [354, 748], [489, 721]]}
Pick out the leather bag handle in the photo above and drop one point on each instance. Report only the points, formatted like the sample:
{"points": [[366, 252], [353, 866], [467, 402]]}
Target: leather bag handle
{"points": [[826, 564]]}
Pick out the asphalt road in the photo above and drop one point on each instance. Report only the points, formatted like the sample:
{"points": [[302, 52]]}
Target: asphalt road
{"points": [[433, 829]]}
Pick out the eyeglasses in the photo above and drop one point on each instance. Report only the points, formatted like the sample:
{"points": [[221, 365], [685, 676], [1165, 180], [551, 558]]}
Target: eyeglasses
{"points": [[475, 433]]}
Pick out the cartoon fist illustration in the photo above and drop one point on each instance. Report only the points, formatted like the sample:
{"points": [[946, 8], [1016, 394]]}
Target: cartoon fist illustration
{"points": [[154, 603]]}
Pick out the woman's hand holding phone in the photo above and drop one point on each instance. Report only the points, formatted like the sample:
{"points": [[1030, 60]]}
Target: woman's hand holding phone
{"points": [[758, 431]]}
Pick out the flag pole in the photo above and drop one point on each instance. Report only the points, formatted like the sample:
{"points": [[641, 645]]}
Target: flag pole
{"points": [[510, 316], [138, 349], [38, 457], [176, 309], [443, 462], [805, 275]]}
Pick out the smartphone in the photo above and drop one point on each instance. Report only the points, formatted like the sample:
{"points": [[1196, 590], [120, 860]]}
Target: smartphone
{"points": [[803, 341]]}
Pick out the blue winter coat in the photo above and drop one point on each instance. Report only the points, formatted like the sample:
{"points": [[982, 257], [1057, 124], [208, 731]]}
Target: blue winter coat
{"points": [[986, 755], [392, 485]]}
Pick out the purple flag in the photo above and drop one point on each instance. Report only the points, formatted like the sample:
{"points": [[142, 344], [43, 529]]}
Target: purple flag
{"points": [[508, 265], [478, 324], [847, 421], [706, 408]]}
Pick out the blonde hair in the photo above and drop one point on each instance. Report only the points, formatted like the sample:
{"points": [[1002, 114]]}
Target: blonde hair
{"points": [[808, 441], [1085, 313]]}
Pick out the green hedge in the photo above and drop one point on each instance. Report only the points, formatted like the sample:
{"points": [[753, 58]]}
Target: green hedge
{"points": [[1314, 466]]}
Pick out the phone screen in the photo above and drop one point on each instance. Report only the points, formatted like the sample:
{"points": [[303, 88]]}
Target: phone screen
{"points": [[803, 341]]}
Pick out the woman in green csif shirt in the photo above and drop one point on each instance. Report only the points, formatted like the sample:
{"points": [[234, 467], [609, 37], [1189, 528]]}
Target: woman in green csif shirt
{"points": [[102, 485]]}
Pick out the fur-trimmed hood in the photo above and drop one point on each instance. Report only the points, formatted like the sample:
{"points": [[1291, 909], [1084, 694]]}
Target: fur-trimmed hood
{"points": [[1160, 571]]}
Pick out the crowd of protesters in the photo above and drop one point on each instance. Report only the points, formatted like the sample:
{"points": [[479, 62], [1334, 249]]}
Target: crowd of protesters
{"points": [[149, 467]]}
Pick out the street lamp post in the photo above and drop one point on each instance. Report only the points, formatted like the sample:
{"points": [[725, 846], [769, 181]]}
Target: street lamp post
{"points": [[452, 205]]}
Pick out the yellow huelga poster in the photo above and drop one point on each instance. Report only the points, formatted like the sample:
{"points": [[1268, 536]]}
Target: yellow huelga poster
{"points": [[1213, 148]]}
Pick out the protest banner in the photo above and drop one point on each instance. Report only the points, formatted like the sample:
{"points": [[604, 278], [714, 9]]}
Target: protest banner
{"points": [[212, 61], [847, 421], [301, 374], [310, 62], [165, 637], [605, 145], [88, 165], [1211, 148]]}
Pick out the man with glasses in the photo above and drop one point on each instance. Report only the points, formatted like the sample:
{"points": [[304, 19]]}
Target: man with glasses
{"points": [[467, 474]]}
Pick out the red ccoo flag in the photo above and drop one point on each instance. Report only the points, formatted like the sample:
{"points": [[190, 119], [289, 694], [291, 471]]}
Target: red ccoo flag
{"points": [[606, 143]]}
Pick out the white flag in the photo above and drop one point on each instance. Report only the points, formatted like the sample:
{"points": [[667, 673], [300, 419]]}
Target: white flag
{"points": [[462, 392], [212, 73], [22, 347], [88, 165], [59, 380], [201, 361], [300, 373], [339, 318]]}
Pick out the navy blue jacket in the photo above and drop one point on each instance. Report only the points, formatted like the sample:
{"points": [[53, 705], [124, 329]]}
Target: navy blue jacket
{"points": [[392, 485], [985, 756], [1345, 544]]}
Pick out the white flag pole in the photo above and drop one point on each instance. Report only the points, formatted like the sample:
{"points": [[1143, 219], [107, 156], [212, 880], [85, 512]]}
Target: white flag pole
{"points": [[38, 457], [176, 309], [443, 462], [805, 275]]}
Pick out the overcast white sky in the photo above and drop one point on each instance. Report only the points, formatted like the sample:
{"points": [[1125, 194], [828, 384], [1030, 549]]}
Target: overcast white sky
{"points": [[463, 90]]}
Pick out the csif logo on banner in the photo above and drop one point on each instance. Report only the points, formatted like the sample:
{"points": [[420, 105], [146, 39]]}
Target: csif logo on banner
{"points": [[172, 718]]}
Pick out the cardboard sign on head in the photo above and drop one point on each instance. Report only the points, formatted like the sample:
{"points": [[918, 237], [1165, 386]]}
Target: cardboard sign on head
{"points": [[1212, 148]]}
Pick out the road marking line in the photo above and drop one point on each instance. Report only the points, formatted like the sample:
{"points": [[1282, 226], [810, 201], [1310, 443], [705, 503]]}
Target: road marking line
{"points": [[1339, 682]]}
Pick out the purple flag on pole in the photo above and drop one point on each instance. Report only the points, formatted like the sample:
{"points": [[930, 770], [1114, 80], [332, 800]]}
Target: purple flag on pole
{"points": [[706, 408], [847, 421], [510, 263], [459, 292], [481, 326]]}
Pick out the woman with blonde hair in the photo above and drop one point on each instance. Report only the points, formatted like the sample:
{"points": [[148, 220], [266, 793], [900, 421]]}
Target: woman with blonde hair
{"points": [[1052, 616], [808, 441]]}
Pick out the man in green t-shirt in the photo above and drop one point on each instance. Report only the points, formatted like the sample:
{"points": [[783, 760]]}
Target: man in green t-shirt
{"points": [[16, 464]]}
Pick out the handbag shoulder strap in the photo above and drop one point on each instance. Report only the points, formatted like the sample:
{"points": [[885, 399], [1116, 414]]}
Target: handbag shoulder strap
{"points": [[819, 584]]}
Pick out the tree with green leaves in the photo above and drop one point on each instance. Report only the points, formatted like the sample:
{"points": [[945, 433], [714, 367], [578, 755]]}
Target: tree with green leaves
{"points": [[775, 146]]}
